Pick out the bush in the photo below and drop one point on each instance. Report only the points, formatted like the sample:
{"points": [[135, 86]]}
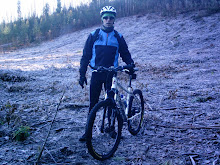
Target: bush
{"points": [[22, 133]]}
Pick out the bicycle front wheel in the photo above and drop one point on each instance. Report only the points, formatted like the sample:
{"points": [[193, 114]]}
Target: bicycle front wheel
{"points": [[135, 112], [104, 128]]}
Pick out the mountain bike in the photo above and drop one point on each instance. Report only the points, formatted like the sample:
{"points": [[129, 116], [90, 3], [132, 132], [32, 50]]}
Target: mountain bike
{"points": [[105, 121]]}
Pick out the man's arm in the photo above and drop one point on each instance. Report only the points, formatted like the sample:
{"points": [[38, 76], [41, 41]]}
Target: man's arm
{"points": [[86, 57], [124, 52]]}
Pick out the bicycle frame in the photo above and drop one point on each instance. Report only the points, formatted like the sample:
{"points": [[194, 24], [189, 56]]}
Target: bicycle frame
{"points": [[114, 87]]}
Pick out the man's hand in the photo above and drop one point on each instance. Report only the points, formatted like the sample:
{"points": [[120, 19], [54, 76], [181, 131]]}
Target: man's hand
{"points": [[82, 80], [132, 65]]}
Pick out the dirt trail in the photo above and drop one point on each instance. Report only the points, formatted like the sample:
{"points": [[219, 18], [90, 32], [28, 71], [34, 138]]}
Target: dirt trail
{"points": [[179, 62]]}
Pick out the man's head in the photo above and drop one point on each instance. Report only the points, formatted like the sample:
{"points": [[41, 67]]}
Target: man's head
{"points": [[108, 14]]}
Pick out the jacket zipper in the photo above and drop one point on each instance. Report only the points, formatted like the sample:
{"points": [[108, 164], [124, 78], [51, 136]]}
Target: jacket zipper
{"points": [[107, 40]]}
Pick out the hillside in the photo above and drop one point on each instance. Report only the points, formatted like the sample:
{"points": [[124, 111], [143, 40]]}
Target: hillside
{"points": [[179, 63]]}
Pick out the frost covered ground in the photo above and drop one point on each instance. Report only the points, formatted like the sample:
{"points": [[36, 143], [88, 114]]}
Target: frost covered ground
{"points": [[179, 73]]}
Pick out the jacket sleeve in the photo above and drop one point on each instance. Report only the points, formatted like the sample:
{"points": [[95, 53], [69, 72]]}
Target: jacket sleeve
{"points": [[86, 57], [124, 52]]}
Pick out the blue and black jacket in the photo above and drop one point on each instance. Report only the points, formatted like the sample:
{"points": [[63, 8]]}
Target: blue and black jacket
{"points": [[103, 49]]}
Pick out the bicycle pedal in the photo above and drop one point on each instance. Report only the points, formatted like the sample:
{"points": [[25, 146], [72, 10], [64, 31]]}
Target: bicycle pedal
{"points": [[113, 134], [109, 129]]}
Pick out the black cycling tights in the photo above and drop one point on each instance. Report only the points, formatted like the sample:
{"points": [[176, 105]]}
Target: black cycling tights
{"points": [[97, 80]]}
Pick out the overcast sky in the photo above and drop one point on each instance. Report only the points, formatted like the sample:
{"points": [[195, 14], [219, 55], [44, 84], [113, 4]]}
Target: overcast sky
{"points": [[8, 8]]}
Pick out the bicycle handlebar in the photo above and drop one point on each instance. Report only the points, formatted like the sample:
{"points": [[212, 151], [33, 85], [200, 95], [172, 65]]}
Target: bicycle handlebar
{"points": [[128, 68]]}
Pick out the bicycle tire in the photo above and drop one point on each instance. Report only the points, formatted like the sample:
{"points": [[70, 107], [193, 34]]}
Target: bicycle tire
{"points": [[98, 141], [135, 112]]}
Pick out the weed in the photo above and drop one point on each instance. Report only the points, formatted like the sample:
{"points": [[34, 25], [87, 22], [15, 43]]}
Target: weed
{"points": [[169, 162], [79, 51], [204, 99], [11, 77], [22, 133], [9, 109], [15, 88], [172, 94], [2, 122]]}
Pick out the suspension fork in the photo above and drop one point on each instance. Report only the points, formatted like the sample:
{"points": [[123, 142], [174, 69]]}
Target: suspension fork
{"points": [[111, 114], [103, 120], [114, 88], [112, 95], [130, 90]]}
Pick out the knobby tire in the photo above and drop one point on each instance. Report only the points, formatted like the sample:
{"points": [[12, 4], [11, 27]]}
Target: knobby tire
{"points": [[135, 112], [98, 140]]}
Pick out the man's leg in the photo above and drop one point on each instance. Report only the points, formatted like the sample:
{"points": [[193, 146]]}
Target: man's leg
{"points": [[95, 89]]}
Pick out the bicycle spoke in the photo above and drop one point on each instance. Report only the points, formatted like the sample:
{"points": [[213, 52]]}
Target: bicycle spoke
{"points": [[102, 145], [102, 142], [137, 115], [136, 112]]}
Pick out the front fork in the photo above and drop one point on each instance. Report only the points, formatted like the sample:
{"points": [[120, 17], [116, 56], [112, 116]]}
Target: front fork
{"points": [[128, 99], [124, 110], [112, 95]]}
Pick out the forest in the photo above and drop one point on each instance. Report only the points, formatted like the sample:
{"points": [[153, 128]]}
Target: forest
{"points": [[25, 31]]}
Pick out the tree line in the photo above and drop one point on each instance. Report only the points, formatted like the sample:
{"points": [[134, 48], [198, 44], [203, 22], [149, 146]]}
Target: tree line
{"points": [[35, 29]]}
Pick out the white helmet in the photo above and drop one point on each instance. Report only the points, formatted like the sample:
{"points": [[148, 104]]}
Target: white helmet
{"points": [[108, 9]]}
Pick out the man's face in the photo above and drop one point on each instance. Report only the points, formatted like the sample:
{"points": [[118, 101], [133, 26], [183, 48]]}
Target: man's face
{"points": [[108, 21]]}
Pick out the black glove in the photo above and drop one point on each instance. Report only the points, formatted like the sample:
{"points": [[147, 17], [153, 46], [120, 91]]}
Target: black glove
{"points": [[82, 80], [130, 67]]}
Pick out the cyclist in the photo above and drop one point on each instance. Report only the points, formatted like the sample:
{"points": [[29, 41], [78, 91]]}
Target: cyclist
{"points": [[102, 48]]}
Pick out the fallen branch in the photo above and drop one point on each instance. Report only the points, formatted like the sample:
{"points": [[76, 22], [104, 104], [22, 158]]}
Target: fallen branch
{"points": [[215, 161], [45, 123], [172, 108], [190, 127], [50, 155], [73, 105], [192, 160], [39, 156], [149, 106]]}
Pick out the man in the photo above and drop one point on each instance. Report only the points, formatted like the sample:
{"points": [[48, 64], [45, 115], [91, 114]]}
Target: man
{"points": [[102, 48]]}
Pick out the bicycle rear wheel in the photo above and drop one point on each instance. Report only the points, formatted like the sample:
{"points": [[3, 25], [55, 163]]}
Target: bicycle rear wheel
{"points": [[135, 112], [103, 132]]}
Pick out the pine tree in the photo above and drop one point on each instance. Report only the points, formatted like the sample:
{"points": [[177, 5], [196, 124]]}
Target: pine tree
{"points": [[19, 10], [58, 10]]}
